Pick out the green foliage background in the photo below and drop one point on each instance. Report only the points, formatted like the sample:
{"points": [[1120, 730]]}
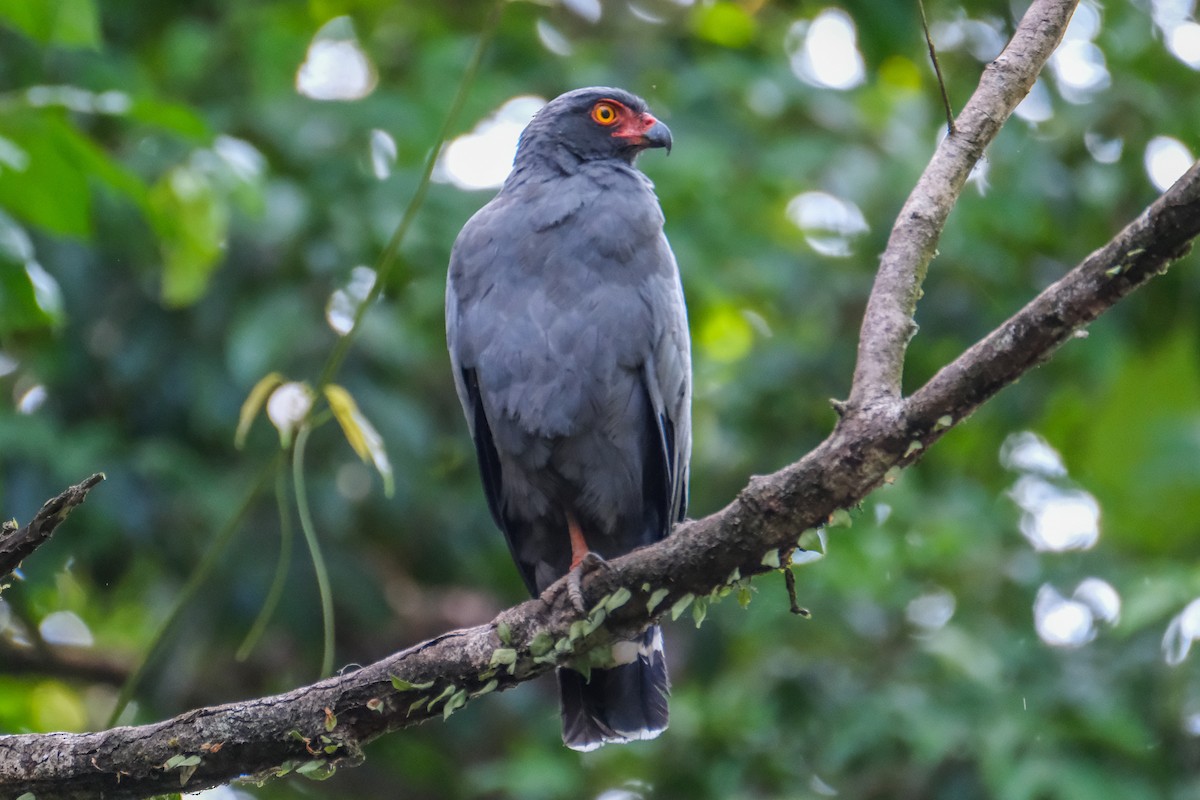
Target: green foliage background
{"points": [[182, 280]]}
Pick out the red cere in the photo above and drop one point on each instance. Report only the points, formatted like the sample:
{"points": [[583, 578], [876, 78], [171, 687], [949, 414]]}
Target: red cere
{"points": [[634, 127]]}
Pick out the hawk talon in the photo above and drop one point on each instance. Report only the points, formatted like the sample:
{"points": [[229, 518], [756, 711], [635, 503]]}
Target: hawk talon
{"points": [[591, 559]]}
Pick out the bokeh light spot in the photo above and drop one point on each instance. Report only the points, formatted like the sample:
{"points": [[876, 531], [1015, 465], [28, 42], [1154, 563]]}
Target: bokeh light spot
{"points": [[1061, 622], [65, 628], [931, 612], [828, 222], [383, 153], [483, 158], [343, 303], [31, 399], [1183, 629], [55, 707], [1028, 452], [1166, 160], [336, 67], [725, 334], [824, 52]]}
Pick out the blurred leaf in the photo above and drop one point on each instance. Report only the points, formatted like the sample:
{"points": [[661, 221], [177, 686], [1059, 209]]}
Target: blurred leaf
{"points": [[19, 308], [51, 191], [175, 117], [56, 707], [681, 605], [360, 433], [725, 335], [12, 157], [48, 186], [316, 770], [253, 404], [455, 702], [192, 223], [94, 163], [73, 23], [31, 298], [724, 23]]}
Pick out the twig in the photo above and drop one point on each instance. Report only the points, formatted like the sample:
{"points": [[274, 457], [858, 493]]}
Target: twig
{"points": [[789, 583], [62, 662], [17, 543], [937, 69]]}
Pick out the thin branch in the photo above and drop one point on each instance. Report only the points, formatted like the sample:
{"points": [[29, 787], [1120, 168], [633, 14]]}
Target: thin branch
{"points": [[937, 70], [17, 543], [888, 322], [318, 727], [69, 663]]}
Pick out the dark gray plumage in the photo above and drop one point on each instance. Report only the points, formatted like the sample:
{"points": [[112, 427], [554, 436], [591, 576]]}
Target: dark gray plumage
{"points": [[568, 337]]}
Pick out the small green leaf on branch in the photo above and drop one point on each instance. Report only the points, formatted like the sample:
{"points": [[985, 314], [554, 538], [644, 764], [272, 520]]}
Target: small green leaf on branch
{"points": [[681, 605], [401, 685], [656, 597]]}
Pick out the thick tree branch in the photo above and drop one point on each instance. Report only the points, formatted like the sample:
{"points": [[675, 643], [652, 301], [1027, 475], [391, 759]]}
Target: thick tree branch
{"points": [[888, 323], [17, 543]]}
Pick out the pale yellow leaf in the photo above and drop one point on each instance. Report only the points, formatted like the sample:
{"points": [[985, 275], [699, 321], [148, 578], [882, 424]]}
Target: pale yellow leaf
{"points": [[360, 433], [253, 404]]}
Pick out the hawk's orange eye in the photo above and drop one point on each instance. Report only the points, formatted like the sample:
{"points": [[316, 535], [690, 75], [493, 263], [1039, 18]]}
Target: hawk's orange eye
{"points": [[604, 113]]}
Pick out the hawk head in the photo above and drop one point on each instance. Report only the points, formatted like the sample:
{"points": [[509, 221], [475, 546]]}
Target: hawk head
{"points": [[594, 124]]}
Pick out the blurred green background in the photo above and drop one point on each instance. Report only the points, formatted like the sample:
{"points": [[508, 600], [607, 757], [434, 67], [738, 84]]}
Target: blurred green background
{"points": [[185, 186]]}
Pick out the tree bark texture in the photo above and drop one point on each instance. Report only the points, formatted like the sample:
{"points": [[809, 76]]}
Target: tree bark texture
{"points": [[316, 728]]}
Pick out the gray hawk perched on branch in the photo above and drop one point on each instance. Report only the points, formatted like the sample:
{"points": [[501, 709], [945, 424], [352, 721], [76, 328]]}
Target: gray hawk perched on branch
{"points": [[568, 337]]}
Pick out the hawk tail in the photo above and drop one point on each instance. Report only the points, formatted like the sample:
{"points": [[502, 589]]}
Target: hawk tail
{"points": [[618, 704]]}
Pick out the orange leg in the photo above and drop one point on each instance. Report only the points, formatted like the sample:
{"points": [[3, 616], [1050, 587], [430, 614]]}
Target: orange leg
{"points": [[579, 548]]}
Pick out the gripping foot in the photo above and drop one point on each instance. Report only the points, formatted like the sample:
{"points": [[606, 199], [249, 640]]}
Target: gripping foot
{"points": [[590, 560]]}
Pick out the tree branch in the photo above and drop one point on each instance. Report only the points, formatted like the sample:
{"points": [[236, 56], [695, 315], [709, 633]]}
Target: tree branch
{"points": [[1144, 249], [71, 663], [318, 727], [17, 543], [888, 323]]}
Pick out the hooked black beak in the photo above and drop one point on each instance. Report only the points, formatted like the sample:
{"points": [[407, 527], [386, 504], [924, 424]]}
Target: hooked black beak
{"points": [[658, 135]]}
